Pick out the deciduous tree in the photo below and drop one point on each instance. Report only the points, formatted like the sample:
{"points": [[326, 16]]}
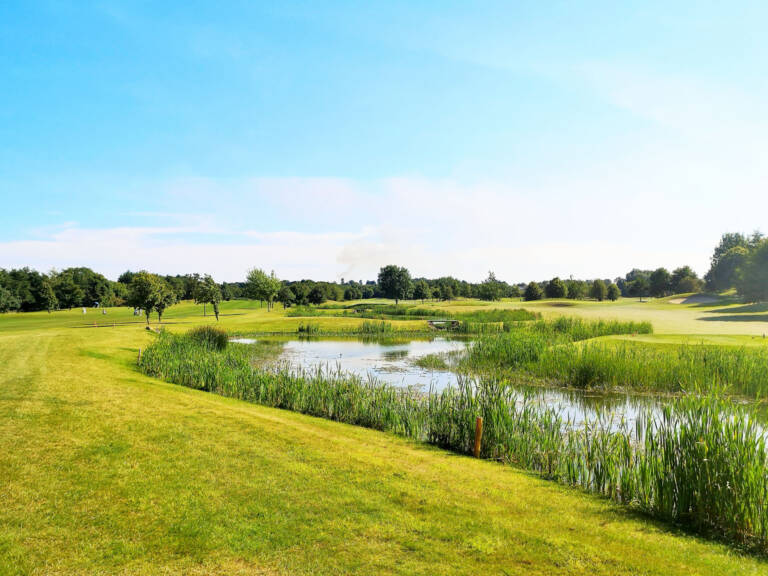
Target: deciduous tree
{"points": [[286, 296], [208, 292], [395, 283], [262, 286], [421, 291], [598, 291], [660, 282], [48, 296], [752, 284], [150, 292], [532, 292], [555, 288]]}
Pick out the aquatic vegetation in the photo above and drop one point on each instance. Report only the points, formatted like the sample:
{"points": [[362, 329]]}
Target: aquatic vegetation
{"points": [[701, 462], [630, 365], [210, 337], [579, 329]]}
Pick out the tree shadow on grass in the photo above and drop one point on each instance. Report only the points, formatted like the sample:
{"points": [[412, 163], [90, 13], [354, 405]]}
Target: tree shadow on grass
{"points": [[744, 313], [745, 309], [738, 318]]}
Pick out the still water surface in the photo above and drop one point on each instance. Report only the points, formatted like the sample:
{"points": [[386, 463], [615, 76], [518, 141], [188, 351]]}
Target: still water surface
{"points": [[392, 361]]}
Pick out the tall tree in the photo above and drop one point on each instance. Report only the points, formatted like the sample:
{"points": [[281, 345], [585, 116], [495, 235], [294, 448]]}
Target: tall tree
{"points": [[490, 289], [150, 292], [48, 296], [660, 282], [598, 291], [8, 300], [262, 286], [555, 288], [395, 282], [421, 291], [684, 279], [639, 287], [532, 292], [208, 292], [613, 292], [164, 298], [69, 293], [286, 296], [142, 292], [316, 295], [724, 272], [577, 289], [752, 284], [126, 277]]}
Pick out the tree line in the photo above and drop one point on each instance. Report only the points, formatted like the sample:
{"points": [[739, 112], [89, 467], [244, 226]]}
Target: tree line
{"points": [[738, 262]]}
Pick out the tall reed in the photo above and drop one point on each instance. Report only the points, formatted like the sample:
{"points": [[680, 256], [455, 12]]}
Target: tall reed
{"points": [[628, 365], [701, 462]]}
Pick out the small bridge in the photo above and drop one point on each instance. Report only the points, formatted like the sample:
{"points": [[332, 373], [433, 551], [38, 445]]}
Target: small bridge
{"points": [[443, 324]]}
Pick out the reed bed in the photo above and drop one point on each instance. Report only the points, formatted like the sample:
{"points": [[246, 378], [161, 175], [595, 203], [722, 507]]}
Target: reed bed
{"points": [[626, 365], [366, 328], [575, 329], [390, 311], [700, 462]]}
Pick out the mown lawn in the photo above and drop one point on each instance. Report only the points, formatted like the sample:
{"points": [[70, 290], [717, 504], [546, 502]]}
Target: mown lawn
{"points": [[104, 470]]}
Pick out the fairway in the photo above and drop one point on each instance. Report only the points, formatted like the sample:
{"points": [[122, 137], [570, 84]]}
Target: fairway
{"points": [[383, 288], [700, 320], [105, 470]]}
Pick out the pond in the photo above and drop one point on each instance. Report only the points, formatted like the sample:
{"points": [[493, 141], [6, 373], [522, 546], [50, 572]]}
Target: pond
{"points": [[388, 360], [392, 361]]}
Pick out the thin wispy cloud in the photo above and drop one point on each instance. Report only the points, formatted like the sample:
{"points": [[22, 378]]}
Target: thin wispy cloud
{"points": [[326, 141]]}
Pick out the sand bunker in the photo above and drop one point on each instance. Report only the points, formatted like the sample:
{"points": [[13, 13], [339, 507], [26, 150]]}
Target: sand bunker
{"points": [[695, 299]]}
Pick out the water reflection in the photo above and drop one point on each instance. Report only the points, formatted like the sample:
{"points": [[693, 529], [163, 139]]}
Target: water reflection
{"points": [[391, 360]]}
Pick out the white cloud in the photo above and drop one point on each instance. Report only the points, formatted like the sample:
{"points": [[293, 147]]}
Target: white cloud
{"points": [[433, 227]]}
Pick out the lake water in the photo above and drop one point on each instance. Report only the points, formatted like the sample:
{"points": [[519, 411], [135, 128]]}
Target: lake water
{"points": [[392, 361]]}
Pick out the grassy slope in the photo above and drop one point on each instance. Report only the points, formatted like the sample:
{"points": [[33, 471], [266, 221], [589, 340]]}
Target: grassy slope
{"points": [[666, 318], [105, 470], [724, 323]]}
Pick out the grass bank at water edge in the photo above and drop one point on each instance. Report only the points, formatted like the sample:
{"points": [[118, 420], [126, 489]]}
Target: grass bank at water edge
{"points": [[703, 463]]}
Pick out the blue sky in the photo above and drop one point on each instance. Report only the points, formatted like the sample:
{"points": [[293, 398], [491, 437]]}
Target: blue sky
{"points": [[325, 139]]}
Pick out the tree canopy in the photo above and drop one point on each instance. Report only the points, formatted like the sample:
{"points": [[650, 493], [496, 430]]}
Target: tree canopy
{"points": [[660, 282], [752, 282], [150, 292], [395, 283], [262, 286], [491, 289], [556, 288], [421, 290], [208, 292], [598, 291], [533, 292]]}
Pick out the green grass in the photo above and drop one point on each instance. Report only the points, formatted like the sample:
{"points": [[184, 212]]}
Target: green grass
{"points": [[104, 470], [702, 463]]}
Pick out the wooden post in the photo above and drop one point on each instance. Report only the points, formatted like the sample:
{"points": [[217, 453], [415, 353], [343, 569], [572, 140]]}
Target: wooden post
{"points": [[478, 435], [139, 360]]}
